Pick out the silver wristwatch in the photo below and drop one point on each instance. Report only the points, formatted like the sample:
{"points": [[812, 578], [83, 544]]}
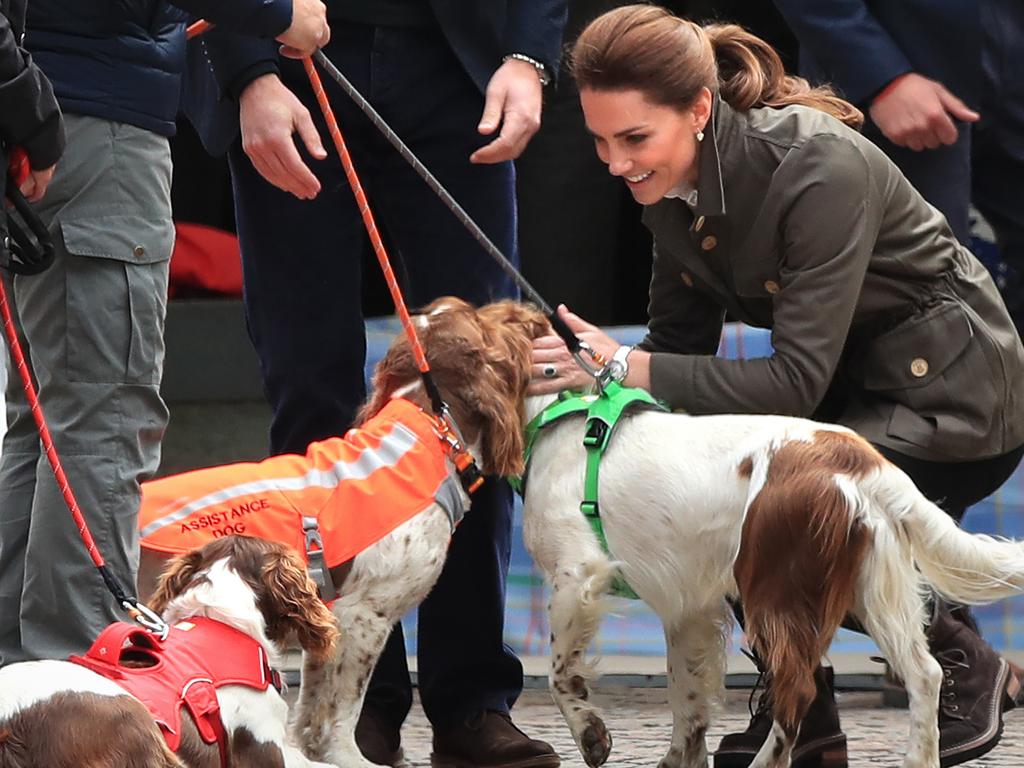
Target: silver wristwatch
{"points": [[619, 365]]}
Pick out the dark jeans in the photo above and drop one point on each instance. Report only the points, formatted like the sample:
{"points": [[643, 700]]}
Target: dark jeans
{"points": [[302, 264]]}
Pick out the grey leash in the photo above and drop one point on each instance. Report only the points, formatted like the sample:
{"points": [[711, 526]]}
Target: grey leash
{"points": [[576, 346]]}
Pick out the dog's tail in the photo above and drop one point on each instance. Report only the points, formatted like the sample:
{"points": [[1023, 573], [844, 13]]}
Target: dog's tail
{"points": [[960, 566]]}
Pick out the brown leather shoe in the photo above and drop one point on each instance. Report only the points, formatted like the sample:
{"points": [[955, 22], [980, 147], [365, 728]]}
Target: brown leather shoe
{"points": [[977, 687], [820, 743], [379, 740], [490, 740]]}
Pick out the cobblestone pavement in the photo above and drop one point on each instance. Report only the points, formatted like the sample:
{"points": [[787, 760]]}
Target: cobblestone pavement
{"points": [[641, 727]]}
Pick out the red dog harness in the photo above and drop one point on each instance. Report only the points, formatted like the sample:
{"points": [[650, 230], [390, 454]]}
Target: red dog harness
{"points": [[341, 497], [199, 656]]}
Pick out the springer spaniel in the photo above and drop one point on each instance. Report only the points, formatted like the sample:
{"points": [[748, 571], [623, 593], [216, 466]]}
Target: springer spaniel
{"points": [[59, 714], [481, 367], [803, 522]]}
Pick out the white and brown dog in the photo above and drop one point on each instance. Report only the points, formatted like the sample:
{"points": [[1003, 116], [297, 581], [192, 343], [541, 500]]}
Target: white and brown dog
{"points": [[804, 522], [59, 714], [481, 367]]}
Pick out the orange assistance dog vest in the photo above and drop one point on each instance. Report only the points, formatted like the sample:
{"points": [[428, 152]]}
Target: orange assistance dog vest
{"points": [[185, 670], [346, 492]]}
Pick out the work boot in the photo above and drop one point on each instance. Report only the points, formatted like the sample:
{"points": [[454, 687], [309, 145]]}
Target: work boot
{"points": [[820, 743], [489, 739], [379, 740], [977, 687], [894, 695]]}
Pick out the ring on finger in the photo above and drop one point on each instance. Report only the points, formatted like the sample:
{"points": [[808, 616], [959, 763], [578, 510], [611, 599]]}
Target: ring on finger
{"points": [[549, 371]]}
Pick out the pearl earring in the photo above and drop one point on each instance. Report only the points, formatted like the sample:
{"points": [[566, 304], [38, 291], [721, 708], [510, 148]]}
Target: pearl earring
{"points": [[700, 135]]}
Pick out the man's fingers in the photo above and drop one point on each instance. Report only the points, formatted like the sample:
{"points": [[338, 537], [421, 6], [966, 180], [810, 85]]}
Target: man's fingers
{"points": [[495, 152], [493, 105], [309, 135], [956, 107], [943, 131], [509, 144], [301, 181]]}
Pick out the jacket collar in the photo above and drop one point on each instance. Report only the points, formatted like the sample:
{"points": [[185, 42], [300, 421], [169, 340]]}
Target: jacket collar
{"points": [[710, 194]]}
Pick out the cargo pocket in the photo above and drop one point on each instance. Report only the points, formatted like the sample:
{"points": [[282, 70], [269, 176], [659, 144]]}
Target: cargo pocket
{"points": [[936, 378], [116, 298]]}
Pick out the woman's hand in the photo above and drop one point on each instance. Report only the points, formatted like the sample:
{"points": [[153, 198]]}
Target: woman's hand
{"points": [[554, 369]]}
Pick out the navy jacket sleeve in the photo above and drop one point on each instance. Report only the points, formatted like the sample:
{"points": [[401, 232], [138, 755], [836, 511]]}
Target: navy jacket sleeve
{"points": [[29, 115], [535, 28], [262, 18], [220, 65], [236, 60], [847, 41]]}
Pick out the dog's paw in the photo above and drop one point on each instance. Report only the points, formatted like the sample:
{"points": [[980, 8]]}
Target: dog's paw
{"points": [[596, 742], [673, 759]]}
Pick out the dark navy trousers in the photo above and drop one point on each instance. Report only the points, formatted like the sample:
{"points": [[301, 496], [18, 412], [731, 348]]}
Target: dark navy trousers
{"points": [[302, 265], [986, 164]]}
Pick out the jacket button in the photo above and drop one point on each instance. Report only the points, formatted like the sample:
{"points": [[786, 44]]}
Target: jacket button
{"points": [[687, 280], [708, 242], [697, 225], [919, 367], [139, 251], [771, 286]]}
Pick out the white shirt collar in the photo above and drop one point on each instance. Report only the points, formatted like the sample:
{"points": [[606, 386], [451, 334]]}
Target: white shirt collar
{"points": [[683, 191]]}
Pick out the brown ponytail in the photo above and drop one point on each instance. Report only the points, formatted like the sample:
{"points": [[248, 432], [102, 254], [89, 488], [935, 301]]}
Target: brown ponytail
{"points": [[645, 47], [750, 74]]}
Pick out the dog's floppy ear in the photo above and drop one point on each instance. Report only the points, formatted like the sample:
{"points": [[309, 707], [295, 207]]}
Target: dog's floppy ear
{"points": [[177, 576], [290, 604], [501, 385], [394, 370]]}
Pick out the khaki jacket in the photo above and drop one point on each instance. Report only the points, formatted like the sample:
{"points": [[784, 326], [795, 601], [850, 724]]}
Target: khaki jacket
{"points": [[876, 311]]}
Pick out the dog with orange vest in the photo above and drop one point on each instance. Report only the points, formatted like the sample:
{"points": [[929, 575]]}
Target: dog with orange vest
{"points": [[374, 510]]}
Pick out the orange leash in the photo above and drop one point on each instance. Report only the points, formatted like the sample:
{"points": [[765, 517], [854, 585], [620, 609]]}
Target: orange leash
{"points": [[464, 463], [364, 210]]}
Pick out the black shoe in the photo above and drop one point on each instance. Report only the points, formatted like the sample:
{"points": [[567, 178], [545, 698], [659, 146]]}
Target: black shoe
{"points": [[977, 688], [379, 740], [820, 743], [490, 740]]}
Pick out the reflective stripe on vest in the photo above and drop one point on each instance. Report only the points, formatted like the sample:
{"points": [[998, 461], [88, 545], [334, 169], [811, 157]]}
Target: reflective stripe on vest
{"points": [[359, 488]]}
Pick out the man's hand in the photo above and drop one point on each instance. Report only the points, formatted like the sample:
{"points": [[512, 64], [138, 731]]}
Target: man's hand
{"points": [[513, 101], [34, 187], [917, 113], [270, 116], [308, 30]]}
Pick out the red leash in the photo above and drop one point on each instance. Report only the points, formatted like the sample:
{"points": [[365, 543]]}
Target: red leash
{"points": [[142, 614]]}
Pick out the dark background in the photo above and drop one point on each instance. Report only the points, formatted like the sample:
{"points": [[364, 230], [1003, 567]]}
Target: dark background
{"points": [[581, 240]]}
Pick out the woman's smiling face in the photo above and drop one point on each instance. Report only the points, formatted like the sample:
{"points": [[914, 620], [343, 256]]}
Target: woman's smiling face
{"points": [[651, 146]]}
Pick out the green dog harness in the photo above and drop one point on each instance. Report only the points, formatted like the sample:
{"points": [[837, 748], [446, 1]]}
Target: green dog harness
{"points": [[603, 412]]}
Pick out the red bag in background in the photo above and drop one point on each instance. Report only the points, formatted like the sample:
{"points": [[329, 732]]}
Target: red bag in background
{"points": [[205, 262]]}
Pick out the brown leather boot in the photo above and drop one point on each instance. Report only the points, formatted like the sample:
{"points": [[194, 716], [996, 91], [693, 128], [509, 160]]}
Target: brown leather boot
{"points": [[379, 740], [490, 740], [977, 687], [820, 743]]}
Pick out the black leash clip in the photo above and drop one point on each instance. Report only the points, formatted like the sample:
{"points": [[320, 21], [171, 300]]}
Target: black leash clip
{"points": [[26, 247]]}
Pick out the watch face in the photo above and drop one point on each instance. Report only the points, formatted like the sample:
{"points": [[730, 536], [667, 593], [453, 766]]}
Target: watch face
{"points": [[616, 370]]}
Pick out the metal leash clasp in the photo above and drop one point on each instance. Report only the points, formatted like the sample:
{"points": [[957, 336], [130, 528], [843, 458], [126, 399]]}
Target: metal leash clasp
{"points": [[147, 618], [601, 372]]}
